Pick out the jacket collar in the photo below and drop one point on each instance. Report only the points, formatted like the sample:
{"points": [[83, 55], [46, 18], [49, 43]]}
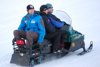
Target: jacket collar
{"points": [[31, 15], [42, 13]]}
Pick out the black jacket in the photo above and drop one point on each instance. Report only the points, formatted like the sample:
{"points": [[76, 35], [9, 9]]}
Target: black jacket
{"points": [[48, 26]]}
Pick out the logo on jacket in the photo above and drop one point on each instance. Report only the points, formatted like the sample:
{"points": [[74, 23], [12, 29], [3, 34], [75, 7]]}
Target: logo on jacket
{"points": [[32, 21], [26, 21]]}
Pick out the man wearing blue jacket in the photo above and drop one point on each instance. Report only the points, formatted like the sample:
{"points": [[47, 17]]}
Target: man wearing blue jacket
{"points": [[31, 27]]}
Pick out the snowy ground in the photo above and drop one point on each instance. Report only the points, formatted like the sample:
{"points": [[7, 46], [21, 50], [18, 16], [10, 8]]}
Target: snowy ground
{"points": [[85, 16]]}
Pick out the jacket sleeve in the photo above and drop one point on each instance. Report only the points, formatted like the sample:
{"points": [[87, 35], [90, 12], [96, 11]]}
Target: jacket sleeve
{"points": [[57, 24], [41, 30], [22, 24]]}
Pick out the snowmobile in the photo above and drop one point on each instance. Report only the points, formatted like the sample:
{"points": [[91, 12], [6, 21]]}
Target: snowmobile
{"points": [[37, 54]]}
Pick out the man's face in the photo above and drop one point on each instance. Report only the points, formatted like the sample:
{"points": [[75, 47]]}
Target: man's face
{"points": [[31, 11], [46, 11], [50, 10]]}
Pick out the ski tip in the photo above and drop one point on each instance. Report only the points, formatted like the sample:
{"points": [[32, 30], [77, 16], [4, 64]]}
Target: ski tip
{"points": [[88, 50], [90, 47], [91, 42]]}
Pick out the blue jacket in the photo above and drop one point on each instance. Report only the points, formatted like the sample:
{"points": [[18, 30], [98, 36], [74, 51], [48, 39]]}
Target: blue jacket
{"points": [[33, 23], [57, 24]]}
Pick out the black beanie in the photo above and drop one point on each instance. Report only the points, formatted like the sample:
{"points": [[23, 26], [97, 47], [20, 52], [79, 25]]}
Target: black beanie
{"points": [[30, 7], [43, 8]]}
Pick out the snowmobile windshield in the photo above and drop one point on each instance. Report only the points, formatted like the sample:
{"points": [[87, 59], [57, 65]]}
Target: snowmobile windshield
{"points": [[63, 16]]}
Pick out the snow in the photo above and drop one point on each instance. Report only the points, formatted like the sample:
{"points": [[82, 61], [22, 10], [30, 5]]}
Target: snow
{"points": [[85, 18]]}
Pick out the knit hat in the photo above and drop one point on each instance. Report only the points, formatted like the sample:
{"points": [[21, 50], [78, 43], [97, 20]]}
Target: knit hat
{"points": [[49, 5], [30, 7], [43, 8]]}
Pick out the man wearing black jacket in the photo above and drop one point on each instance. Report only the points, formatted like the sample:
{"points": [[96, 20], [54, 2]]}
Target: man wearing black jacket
{"points": [[52, 34]]}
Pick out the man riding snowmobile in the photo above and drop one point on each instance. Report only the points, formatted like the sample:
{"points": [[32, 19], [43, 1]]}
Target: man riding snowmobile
{"points": [[31, 27], [52, 34]]}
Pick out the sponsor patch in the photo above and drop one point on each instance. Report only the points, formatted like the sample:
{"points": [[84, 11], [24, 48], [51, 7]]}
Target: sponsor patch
{"points": [[32, 21]]}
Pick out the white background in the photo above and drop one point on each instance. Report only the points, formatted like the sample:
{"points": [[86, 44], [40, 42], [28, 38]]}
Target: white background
{"points": [[85, 16]]}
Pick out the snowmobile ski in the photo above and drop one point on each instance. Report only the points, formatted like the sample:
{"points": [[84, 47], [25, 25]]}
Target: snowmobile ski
{"points": [[88, 50]]}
